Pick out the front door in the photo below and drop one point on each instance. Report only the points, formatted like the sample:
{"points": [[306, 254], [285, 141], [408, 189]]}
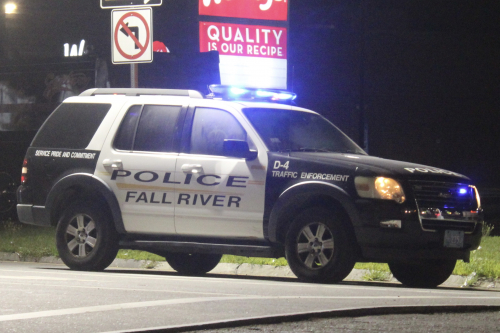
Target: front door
{"points": [[217, 195]]}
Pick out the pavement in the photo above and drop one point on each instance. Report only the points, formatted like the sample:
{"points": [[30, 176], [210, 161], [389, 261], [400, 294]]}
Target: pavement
{"points": [[454, 281], [42, 295]]}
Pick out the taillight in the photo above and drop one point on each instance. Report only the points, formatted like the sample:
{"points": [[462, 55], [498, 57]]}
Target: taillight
{"points": [[24, 172]]}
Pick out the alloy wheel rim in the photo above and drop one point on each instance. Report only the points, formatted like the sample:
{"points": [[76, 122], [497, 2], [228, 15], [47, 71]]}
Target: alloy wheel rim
{"points": [[315, 245], [81, 235]]}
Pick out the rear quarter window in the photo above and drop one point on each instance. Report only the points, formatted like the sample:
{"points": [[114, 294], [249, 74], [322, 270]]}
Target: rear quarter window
{"points": [[71, 126]]}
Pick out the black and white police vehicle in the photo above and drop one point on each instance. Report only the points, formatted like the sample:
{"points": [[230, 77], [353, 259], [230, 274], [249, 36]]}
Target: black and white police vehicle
{"points": [[191, 178]]}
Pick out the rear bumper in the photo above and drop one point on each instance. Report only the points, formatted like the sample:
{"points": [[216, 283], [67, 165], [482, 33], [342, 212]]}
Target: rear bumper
{"points": [[36, 215], [29, 213]]}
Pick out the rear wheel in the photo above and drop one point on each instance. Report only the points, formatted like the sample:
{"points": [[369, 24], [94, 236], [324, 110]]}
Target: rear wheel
{"points": [[318, 248], [192, 263], [423, 274], [86, 238]]}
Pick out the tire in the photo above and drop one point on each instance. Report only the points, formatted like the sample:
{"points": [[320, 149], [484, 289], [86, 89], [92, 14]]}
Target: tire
{"points": [[318, 247], [192, 263], [423, 274], [86, 238]]}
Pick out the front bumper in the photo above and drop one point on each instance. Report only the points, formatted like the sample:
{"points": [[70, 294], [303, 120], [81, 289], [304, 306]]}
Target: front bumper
{"points": [[411, 241]]}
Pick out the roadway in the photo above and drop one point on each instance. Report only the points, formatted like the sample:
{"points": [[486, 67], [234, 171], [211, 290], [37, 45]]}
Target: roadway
{"points": [[51, 298]]}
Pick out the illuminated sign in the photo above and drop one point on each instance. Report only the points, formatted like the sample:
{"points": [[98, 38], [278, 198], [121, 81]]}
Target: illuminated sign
{"points": [[276, 10], [74, 51], [243, 40], [250, 55]]}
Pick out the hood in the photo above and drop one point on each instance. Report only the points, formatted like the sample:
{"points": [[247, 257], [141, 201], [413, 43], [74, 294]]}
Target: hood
{"points": [[375, 166]]}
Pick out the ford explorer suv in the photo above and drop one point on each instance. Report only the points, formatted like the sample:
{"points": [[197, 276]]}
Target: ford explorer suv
{"points": [[244, 172]]}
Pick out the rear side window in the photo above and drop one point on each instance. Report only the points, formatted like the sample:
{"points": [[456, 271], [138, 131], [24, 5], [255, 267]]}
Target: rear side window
{"points": [[71, 126], [150, 129], [125, 136]]}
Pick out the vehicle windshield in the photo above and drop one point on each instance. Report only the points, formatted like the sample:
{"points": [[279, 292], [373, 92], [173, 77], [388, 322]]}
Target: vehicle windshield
{"points": [[285, 130]]}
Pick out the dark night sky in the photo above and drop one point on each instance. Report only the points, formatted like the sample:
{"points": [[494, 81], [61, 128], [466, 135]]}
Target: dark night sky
{"points": [[426, 73]]}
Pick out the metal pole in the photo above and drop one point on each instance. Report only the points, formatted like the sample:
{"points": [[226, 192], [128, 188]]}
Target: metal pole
{"points": [[134, 75], [363, 114], [3, 31]]}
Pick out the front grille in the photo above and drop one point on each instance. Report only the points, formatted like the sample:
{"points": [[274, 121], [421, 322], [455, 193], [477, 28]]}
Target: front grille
{"points": [[446, 206]]}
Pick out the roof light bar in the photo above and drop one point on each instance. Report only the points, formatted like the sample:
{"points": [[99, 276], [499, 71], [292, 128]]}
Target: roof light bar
{"points": [[233, 93]]}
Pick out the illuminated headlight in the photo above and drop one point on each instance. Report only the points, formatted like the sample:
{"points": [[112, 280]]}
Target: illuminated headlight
{"points": [[379, 188], [478, 198]]}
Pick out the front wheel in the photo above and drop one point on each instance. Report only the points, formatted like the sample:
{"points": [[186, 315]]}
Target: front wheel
{"points": [[85, 237], [318, 247], [423, 274], [192, 263]]}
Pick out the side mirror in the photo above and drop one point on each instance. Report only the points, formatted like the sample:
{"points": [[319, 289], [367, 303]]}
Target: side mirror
{"points": [[238, 148]]}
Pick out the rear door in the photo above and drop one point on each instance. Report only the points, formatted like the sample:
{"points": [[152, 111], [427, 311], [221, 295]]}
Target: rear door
{"points": [[138, 163], [218, 195]]}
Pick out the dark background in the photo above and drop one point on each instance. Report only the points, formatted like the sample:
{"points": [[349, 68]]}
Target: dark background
{"points": [[409, 80]]}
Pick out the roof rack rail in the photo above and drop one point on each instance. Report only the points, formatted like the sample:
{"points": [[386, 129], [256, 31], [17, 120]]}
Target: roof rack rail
{"points": [[142, 91]]}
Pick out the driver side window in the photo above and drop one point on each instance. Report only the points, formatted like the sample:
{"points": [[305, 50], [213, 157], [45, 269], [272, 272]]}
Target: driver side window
{"points": [[210, 128]]}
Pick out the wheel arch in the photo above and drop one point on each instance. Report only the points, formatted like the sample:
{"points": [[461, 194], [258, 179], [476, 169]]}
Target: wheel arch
{"points": [[83, 186], [310, 194]]}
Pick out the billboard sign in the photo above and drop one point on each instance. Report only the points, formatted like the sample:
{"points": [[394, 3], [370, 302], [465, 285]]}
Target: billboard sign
{"points": [[250, 55], [243, 40], [276, 10]]}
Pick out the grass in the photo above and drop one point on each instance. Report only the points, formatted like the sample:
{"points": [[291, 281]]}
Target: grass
{"points": [[27, 241], [139, 255], [484, 262], [36, 242], [254, 261], [375, 275]]}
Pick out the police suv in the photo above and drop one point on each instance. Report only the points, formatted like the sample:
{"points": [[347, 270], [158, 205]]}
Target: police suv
{"points": [[239, 172]]}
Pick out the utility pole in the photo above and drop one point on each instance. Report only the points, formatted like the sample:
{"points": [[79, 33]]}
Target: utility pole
{"points": [[3, 31], [363, 112]]}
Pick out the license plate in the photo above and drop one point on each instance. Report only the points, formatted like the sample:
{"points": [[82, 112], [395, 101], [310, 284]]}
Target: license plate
{"points": [[454, 239]]}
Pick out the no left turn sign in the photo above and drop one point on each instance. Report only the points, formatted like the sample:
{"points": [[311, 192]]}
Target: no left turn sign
{"points": [[131, 35]]}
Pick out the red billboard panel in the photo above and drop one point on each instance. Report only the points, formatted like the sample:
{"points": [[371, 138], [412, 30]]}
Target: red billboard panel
{"points": [[252, 9], [243, 40]]}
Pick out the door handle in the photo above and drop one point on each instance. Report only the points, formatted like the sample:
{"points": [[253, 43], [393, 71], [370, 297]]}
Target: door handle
{"points": [[115, 164], [192, 168]]}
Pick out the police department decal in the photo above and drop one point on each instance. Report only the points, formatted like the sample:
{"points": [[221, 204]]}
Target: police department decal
{"points": [[432, 170], [165, 196], [65, 154], [283, 174], [324, 176], [304, 175]]}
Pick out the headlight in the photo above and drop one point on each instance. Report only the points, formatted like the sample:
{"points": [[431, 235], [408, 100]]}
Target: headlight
{"points": [[478, 198], [379, 188]]}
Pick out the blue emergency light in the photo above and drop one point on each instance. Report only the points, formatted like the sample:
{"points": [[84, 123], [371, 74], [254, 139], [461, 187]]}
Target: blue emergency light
{"points": [[233, 93]]}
